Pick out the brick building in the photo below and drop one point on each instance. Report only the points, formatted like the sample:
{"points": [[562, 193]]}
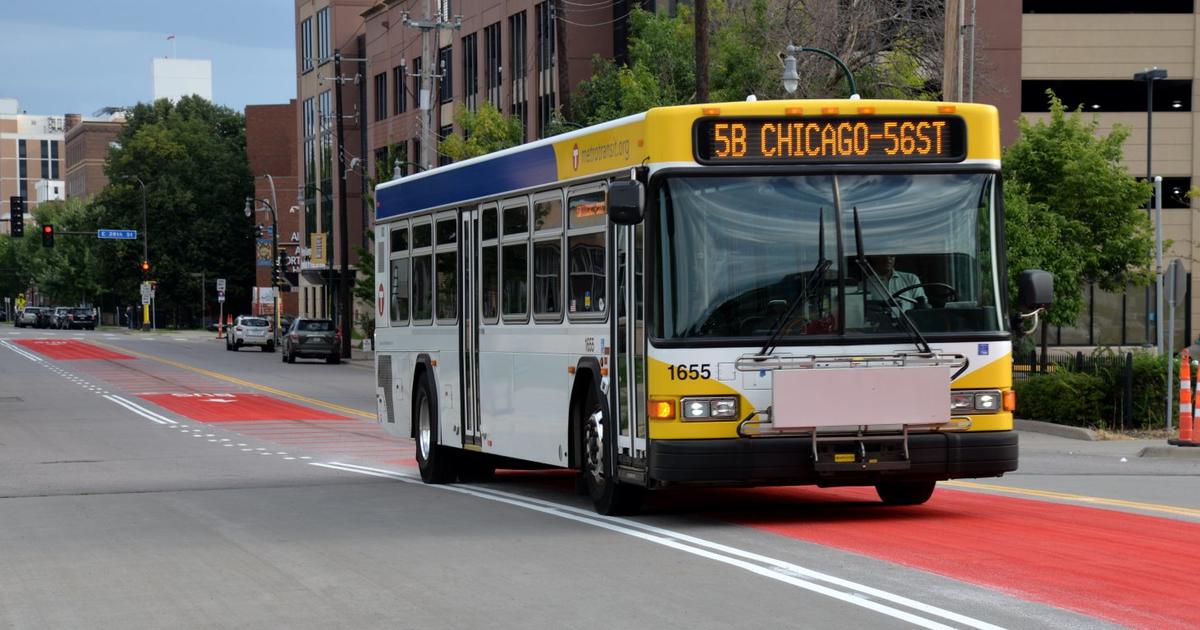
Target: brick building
{"points": [[1088, 53], [87, 143], [271, 150], [31, 150]]}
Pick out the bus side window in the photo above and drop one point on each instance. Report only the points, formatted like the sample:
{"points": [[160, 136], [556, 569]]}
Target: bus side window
{"points": [[514, 263], [422, 274], [547, 258], [399, 276], [447, 270], [489, 283], [586, 217]]}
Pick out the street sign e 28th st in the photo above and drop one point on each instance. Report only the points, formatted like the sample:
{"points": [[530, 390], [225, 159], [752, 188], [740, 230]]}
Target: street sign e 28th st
{"points": [[118, 234]]}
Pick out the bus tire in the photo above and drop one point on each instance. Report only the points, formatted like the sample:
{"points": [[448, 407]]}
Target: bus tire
{"points": [[609, 496], [436, 462], [905, 492]]}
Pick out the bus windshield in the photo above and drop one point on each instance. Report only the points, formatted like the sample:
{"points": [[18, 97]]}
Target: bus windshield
{"points": [[734, 253]]}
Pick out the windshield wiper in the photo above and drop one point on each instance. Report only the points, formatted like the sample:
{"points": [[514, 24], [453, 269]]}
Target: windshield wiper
{"points": [[814, 276], [869, 273]]}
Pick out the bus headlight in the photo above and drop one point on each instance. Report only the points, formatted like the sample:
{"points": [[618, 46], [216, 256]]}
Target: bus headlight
{"points": [[976, 401], [722, 408]]}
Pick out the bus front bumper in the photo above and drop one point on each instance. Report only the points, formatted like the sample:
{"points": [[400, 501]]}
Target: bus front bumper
{"points": [[789, 460]]}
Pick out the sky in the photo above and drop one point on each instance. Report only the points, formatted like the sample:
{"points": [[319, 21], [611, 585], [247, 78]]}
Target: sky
{"points": [[78, 56]]}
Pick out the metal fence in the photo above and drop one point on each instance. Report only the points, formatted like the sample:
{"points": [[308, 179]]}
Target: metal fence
{"points": [[1033, 363]]}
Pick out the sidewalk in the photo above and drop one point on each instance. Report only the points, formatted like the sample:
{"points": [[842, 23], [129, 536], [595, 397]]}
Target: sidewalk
{"points": [[1051, 437]]}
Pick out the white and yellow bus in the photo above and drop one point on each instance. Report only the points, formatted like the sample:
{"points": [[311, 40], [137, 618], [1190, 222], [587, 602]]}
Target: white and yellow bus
{"points": [[750, 293]]}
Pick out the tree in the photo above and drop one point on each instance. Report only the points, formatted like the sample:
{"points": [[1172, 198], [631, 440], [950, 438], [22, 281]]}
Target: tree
{"points": [[192, 157], [1073, 209], [893, 48], [483, 131]]}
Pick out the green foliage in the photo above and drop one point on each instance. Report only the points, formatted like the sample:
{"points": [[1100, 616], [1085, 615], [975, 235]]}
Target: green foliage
{"points": [[1062, 397], [1073, 209], [484, 131], [192, 157], [1093, 395]]}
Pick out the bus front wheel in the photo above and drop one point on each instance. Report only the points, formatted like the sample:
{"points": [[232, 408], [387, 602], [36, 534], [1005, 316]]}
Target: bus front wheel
{"points": [[435, 462], [609, 496], [905, 492]]}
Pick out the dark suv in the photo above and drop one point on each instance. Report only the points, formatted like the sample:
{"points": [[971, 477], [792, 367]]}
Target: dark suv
{"points": [[79, 318], [312, 338]]}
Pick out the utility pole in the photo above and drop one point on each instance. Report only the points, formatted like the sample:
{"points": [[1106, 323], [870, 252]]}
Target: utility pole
{"points": [[345, 305], [429, 26]]}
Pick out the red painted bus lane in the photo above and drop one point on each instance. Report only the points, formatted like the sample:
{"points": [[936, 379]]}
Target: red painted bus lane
{"points": [[235, 407], [70, 350], [1132, 569]]}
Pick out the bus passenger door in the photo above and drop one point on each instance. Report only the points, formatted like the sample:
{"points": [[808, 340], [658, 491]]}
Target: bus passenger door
{"points": [[468, 317], [626, 390]]}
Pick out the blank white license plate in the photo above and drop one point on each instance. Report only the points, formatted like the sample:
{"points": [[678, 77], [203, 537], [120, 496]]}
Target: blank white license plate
{"points": [[860, 396]]}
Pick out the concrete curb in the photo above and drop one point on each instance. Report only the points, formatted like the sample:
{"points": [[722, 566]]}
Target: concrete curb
{"points": [[1171, 452], [1049, 428]]}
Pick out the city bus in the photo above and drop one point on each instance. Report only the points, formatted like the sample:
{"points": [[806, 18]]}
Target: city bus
{"points": [[729, 294]]}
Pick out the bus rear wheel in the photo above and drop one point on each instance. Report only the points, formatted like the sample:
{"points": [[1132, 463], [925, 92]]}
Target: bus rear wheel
{"points": [[436, 462], [905, 492], [609, 496]]}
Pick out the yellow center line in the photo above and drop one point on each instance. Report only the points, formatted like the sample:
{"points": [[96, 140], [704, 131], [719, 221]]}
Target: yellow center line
{"points": [[244, 383], [1080, 498]]}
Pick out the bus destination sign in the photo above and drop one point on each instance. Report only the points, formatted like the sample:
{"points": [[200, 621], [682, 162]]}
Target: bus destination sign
{"points": [[831, 140]]}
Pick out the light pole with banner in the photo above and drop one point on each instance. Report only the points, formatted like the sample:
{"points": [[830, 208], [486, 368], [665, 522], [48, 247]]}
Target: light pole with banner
{"points": [[270, 204]]}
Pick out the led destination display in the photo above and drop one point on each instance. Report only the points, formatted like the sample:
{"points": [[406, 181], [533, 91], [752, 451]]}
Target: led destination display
{"points": [[831, 139]]}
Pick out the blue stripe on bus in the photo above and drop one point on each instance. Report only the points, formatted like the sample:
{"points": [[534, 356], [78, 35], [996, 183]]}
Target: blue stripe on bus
{"points": [[532, 167]]}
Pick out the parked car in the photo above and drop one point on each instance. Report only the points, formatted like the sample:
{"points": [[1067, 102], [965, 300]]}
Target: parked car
{"points": [[249, 330], [45, 317], [27, 317], [311, 339], [58, 316], [79, 318]]}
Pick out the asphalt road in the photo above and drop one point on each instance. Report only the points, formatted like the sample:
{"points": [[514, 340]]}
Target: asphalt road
{"points": [[118, 510]]}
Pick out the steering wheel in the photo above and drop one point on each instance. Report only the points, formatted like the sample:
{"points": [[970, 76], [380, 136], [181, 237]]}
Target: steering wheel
{"points": [[950, 292]]}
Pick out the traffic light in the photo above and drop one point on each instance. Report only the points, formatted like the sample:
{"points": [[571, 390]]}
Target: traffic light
{"points": [[145, 266], [16, 213], [277, 271], [258, 231], [47, 235]]}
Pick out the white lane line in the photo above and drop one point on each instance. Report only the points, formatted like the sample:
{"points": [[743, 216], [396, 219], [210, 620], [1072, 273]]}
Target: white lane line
{"points": [[22, 352], [141, 409], [134, 410], [765, 566]]}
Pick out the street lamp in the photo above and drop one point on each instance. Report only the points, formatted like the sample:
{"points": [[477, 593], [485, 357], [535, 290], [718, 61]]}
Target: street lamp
{"points": [[1149, 76], [791, 79], [270, 204], [145, 243]]}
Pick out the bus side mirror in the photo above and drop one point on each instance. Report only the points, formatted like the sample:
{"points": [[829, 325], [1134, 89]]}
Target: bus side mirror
{"points": [[1035, 290], [626, 202]]}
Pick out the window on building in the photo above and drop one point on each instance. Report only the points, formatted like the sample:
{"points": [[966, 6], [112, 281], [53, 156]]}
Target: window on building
{"points": [[323, 49], [446, 70], [491, 36], [400, 154], [22, 169], [470, 54], [517, 59], [1108, 6], [400, 98], [1175, 192], [444, 133], [306, 48], [545, 36], [44, 159], [381, 96], [54, 162], [416, 79], [1107, 95]]}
